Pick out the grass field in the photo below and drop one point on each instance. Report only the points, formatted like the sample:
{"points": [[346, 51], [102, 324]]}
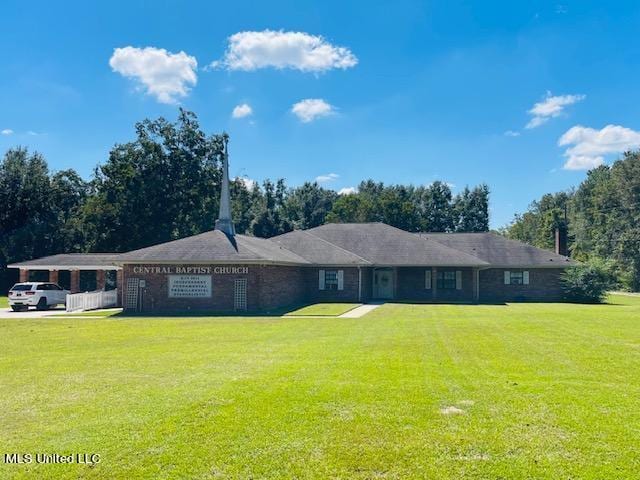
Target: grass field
{"points": [[4, 302], [432, 391], [324, 309]]}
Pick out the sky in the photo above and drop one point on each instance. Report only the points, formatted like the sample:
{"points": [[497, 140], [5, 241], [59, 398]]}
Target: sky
{"points": [[523, 96]]}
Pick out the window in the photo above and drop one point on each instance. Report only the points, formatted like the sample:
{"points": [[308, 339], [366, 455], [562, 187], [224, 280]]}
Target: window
{"points": [[22, 288], [446, 279], [331, 279], [518, 277]]}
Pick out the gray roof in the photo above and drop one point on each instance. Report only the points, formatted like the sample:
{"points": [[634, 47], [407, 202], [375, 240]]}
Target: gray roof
{"points": [[381, 244], [332, 244], [498, 250], [214, 246], [67, 261], [317, 250]]}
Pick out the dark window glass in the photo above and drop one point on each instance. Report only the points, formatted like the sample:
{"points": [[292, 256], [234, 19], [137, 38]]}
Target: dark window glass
{"points": [[331, 279], [446, 279], [21, 288], [517, 278]]}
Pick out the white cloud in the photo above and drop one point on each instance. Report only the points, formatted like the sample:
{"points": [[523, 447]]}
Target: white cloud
{"points": [[249, 183], [347, 191], [511, 133], [311, 108], [589, 146], [241, 111], [551, 107], [7, 131], [329, 177], [166, 76], [278, 49]]}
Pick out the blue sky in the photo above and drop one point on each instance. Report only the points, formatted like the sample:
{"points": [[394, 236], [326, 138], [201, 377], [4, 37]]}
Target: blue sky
{"points": [[401, 92]]}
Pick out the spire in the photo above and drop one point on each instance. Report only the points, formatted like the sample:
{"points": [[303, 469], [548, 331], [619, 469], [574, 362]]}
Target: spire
{"points": [[224, 223]]}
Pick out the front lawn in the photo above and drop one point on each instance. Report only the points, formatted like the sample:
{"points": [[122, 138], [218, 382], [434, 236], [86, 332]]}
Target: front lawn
{"points": [[431, 391], [4, 302], [324, 309]]}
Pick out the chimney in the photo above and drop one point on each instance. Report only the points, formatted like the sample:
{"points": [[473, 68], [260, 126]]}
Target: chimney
{"points": [[224, 223], [561, 241]]}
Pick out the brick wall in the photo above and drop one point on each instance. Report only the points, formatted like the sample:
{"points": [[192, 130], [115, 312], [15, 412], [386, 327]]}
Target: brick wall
{"points": [[411, 286], [348, 294], [268, 287], [544, 286]]}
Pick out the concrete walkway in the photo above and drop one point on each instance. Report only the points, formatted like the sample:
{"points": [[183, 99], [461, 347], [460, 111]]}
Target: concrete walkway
{"points": [[360, 311], [32, 313]]}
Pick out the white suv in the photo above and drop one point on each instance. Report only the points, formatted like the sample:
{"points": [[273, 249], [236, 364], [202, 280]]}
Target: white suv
{"points": [[41, 295]]}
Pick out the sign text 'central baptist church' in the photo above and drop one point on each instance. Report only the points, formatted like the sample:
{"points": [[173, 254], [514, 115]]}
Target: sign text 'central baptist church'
{"points": [[192, 270]]}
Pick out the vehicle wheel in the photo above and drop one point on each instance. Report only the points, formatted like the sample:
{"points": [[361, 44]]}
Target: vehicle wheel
{"points": [[42, 304], [18, 308]]}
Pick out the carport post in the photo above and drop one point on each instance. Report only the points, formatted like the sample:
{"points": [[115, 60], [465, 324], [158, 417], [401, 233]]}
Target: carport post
{"points": [[24, 275], [75, 281], [53, 276], [101, 280]]}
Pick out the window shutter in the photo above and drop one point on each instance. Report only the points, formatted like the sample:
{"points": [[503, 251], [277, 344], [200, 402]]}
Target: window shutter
{"points": [[458, 280], [525, 277], [507, 277], [427, 279], [340, 279], [321, 279]]}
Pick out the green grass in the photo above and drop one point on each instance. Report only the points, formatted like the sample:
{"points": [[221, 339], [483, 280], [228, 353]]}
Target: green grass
{"points": [[548, 391], [4, 302], [324, 309]]}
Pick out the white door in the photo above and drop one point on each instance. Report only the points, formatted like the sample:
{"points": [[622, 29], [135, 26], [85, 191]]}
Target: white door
{"points": [[383, 283]]}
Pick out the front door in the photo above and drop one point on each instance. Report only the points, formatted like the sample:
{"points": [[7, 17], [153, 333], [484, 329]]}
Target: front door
{"points": [[383, 283]]}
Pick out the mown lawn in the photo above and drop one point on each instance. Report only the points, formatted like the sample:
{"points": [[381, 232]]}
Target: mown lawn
{"points": [[4, 302], [544, 391], [324, 309]]}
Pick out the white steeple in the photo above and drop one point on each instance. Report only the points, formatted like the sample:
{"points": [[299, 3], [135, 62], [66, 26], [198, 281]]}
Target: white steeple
{"points": [[224, 223]]}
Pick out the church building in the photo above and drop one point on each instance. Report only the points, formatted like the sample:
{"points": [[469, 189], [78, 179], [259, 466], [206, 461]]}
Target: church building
{"points": [[221, 271]]}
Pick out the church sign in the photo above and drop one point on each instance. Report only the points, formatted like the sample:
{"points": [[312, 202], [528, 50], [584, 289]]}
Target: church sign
{"points": [[189, 286]]}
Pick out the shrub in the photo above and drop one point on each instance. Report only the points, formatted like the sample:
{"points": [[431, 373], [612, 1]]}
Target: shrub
{"points": [[586, 283]]}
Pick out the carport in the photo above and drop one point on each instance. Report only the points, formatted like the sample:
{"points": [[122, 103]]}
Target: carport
{"points": [[77, 272]]}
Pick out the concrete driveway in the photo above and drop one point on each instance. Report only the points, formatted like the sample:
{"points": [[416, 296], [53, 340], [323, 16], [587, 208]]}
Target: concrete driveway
{"points": [[31, 313]]}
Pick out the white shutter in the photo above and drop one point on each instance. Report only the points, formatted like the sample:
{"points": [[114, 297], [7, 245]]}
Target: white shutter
{"points": [[525, 277], [321, 279], [507, 277], [458, 280], [427, 279], [340, 279]]}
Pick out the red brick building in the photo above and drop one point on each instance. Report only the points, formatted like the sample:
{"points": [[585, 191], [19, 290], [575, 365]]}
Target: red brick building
{"points": [[223, 272]]}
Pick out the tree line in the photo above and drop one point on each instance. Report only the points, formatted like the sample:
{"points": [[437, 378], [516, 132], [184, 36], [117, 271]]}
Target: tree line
{"points": [[165, 184], [602, 216]]}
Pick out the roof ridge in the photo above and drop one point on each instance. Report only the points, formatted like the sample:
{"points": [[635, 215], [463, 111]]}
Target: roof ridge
{"points": [[334, 245], [289, 252]]}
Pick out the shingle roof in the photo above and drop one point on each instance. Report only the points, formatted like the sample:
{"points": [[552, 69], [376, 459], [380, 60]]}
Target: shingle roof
{"points": [[381, 244], [498, 250], [316, 250], [70, 260], [214, 246]]}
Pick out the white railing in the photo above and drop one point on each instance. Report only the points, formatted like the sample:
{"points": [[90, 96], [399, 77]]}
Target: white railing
{"points": [[92, 300]]}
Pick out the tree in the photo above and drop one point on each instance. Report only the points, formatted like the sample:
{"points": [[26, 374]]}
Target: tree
{"points": [[307, 206], [270, 220], [39, 210], [471, 210], [162, 186]]}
